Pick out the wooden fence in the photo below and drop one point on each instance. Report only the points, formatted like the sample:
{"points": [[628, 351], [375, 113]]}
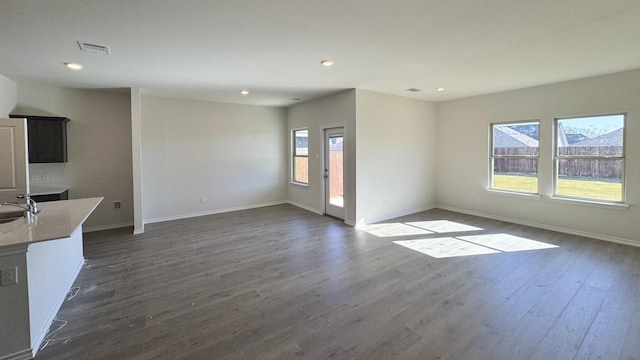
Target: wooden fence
{"points": [[302, 171], [336, 172], [590, 168]]}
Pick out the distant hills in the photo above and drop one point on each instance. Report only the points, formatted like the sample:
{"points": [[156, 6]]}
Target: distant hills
{"points": [[529, 135]]}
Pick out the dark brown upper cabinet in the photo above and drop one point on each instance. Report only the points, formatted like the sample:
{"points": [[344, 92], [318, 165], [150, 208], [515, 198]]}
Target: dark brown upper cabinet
{"points": [[47, 138]]}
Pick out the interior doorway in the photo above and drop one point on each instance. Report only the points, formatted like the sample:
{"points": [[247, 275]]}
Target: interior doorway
{"points": [[14, 157], [334, 172]]}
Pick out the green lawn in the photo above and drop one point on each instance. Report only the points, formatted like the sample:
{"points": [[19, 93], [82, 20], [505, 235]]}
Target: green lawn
{"points": [[579, 188]]}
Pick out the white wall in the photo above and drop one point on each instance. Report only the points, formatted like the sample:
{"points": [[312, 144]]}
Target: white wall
{"points": [[463, 145], [99, 146], [8, 96], [396, 154], [136, 160], [52, 268], [339, 109], [232, 155]]}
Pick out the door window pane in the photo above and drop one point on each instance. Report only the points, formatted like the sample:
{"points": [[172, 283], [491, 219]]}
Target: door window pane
{"points": [[336, 171]]}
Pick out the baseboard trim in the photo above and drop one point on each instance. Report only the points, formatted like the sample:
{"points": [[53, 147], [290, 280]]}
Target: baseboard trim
{"points": [[543, 226], [397, 214], [212, 212], [305, 207], [107, 227], [20, 355]]}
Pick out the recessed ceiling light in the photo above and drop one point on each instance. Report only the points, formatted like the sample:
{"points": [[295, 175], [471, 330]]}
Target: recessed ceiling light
{"points": [[244, 91], [413, 90], [326, 62], [74, 66], [439, 89]]}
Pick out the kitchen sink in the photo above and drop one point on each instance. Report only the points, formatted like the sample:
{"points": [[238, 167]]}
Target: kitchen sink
{"points": [[6, 217]]}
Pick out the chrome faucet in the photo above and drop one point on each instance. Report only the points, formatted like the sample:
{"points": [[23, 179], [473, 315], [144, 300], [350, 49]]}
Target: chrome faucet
{"points": [[30, 207]]}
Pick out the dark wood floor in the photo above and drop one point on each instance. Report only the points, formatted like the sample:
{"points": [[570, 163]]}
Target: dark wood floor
{"points": [[282, 283]]}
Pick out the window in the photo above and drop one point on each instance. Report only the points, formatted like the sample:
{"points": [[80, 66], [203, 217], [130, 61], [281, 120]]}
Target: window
{"points": [[514, 156], [589, 158], [300, 163]]}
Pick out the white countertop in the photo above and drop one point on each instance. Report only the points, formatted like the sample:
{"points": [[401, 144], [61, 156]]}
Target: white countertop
{"points": [[57, 219], [46, 189]]}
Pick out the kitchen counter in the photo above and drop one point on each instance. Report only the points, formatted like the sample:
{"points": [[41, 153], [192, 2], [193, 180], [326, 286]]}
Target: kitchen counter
{"points": [[57, 219], [46, 254], [47, 189]]}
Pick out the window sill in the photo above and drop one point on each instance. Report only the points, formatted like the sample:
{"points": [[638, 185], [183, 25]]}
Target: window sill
{"points": [[514, 194], [593, 203], [299, 184]]}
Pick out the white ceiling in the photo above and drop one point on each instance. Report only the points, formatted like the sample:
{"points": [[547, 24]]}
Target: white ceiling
{"points": [[211, 49]]}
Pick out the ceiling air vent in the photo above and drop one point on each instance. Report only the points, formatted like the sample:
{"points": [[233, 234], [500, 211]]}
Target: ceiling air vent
{"points": [[413, 90], [98, 49]]}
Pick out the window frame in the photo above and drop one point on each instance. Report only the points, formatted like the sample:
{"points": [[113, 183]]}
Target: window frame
{"points": [[493, 157], [556, 161], [294, 155]]}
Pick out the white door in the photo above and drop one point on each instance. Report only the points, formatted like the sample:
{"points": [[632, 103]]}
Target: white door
{"points": [[334, 172], [14, 160]]}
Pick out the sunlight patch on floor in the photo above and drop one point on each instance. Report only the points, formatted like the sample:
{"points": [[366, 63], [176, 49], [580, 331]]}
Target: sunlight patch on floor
{"points": [[443, 226], [445, 247], [416, 228], [473, 245], [393, 229], [507, 243]]}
